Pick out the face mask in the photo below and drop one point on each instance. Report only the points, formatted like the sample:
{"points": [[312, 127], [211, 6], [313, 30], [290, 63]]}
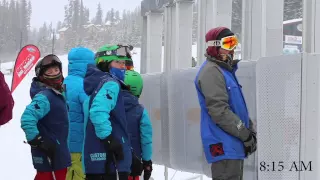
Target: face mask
{"points": [[119, 73], [228, 58]]}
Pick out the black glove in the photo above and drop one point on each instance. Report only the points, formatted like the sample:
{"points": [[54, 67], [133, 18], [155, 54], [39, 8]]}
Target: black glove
{"points": [[45, 146], [250, 145], [147, 168], [136, 166], [113, 147]]}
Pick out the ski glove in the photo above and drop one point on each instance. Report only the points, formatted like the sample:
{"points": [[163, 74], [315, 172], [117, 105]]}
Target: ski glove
{"points": [[47, 147], [136, 166], [113, 146], [250, 145], [147, 167]]}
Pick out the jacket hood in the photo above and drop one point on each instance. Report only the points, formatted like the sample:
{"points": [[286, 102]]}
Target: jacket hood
{"points": [[130, 101], [92, 78], [36, 87], [213, 35], [78, 59]]}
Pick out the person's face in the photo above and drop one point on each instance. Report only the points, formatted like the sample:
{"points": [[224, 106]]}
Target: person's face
{"points": [[52, 71], [118, 64]]}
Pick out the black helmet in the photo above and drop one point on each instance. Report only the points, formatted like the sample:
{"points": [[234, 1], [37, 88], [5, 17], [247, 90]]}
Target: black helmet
{"points": [[46, 62]]}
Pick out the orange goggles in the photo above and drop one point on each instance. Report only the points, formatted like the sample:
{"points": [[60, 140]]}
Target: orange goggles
{"points": [[227, 43], [129, 68]]}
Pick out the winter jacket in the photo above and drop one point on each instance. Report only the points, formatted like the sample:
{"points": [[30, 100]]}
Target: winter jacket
{"points": [[104, 116], [47, 115], [78, 58], [140, 131], [224, 114], [6, 101]]}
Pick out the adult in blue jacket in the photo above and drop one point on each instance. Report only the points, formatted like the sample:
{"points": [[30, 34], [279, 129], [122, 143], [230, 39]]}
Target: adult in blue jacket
{"points": [[226, 133], [78, 59], [45, 121], [140, 128], [106, 141]]}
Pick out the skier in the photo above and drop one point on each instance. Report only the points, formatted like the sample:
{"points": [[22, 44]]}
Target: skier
{"points": [[6, 101], [140, 130], [45, 121], [78, 58], [227, 136], [106, 151]]}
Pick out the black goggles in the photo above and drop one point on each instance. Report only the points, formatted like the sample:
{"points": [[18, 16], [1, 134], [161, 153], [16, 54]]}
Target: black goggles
{"points": [[122, 51], [50, 60]]}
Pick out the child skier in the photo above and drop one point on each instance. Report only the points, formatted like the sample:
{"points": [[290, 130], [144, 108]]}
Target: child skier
{"points": [[140, 130], [78, 58], [106, 143], [45, 121]]}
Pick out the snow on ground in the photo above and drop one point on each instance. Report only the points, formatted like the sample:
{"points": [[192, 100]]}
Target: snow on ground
{"points": [[15, 156]]}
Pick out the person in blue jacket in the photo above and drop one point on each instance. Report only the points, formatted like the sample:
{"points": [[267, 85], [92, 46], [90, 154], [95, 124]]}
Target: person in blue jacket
{"points": [[45, 121], [226, 129], [106, 152], [78, 58], [140, 128]]}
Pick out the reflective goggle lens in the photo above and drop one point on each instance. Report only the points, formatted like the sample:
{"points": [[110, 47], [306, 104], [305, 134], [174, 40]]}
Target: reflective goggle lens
{"points": [[229, 43], [130, 68]]}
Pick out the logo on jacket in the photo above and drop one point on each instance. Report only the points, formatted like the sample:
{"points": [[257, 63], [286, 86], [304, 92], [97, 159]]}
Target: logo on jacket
{"points": [[98, 156], [37, 160], [216, 149]]}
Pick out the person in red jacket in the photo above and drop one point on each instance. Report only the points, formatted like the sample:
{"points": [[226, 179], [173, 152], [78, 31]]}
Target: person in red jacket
{"points": [[6, 101]]}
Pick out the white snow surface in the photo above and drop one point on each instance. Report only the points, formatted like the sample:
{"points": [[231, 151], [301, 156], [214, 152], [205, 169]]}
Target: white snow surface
{"points": [[15, 155]]}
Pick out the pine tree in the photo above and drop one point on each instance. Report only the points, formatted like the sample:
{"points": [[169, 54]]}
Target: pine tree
{"points": [[76, 14], [98, 18]]}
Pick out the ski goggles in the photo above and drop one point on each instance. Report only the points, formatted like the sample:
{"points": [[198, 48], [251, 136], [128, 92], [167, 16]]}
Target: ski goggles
{"points": [[122, 51], [227, 43], [50, 60], [129, 65]]}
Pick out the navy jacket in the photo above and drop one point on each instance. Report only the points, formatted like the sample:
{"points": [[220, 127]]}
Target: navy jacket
{"points": [[47, 115]]}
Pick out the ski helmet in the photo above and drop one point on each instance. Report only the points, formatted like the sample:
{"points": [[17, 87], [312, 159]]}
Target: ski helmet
{"points": [[134, 81], [108, 53], [47, 62]]}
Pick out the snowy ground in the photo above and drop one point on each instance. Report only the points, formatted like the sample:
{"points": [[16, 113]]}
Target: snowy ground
{"points": [[15, 157]]}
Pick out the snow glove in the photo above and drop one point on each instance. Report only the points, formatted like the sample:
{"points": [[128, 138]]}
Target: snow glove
{"points": [[45, 146], [113, 147], [147, 167], [250, 145], [136, 166]]}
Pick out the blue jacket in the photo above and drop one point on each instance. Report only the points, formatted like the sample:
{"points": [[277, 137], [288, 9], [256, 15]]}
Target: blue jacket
{"points": [[140, 130], [78, 58], [47, 115], [211, 134], [104, 116]]}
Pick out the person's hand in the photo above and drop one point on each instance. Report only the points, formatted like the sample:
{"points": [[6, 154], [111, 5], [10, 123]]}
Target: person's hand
{"points": [[250, 145], [147, 168]]}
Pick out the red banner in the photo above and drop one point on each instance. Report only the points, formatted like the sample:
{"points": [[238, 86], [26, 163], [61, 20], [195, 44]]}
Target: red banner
{"points": [[26, 59]]}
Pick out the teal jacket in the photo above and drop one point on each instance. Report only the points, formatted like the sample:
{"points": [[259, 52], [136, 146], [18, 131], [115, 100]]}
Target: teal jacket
{"points": [[78, 58]]}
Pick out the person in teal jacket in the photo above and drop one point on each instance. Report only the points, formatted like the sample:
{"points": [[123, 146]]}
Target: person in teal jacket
{"points": [[107, 151], [78, 59], [140, 128], [45, 121]]}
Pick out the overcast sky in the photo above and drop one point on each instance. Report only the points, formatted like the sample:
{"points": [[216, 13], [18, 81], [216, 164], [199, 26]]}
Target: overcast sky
{"points": [[53, 10]]}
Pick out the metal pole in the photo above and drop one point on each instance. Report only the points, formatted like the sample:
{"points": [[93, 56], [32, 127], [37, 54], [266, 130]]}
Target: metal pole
{"points": [[21, 36], [166, 173], [53, 38]]}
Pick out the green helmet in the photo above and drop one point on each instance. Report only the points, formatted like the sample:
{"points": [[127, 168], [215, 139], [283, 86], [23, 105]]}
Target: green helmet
{"points": [[108, 53], [134, 81]]}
